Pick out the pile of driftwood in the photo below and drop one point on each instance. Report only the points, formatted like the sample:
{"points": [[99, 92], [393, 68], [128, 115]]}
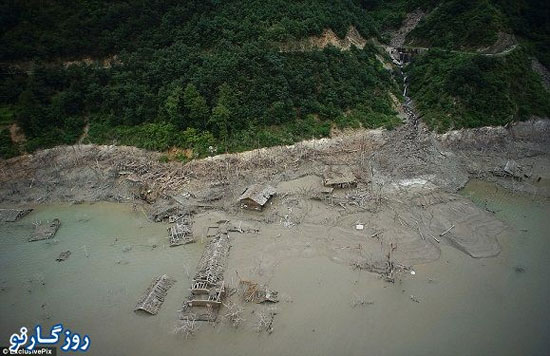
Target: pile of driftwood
{"points": [[152, 299], [156, 177], [45, 231]]}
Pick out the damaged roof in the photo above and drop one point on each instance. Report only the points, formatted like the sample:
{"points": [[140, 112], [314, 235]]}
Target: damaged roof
{"points": [[335, 175], [258, 193]]}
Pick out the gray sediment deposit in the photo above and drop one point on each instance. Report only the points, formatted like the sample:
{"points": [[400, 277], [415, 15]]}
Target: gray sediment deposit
{"points": [[405, 196], [329, 252]]}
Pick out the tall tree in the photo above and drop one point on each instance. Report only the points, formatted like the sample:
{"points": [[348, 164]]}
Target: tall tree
{"points": [[195, 107], [173, 106]]}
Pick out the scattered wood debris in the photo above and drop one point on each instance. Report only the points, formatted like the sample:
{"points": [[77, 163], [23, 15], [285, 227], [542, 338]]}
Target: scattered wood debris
{"points": [[252, 292], [45, 231], [152, 299], [256, 196], [265, 320], [188, 326], [242, 230], [169, 210], [386, 269], [234, 314], [181, 233], [12, 215], [63, 256], [321, 193]]}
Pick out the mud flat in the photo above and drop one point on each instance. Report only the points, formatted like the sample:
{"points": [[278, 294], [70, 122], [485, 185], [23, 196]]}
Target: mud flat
{"points": [[326, 252], [404, 196], [304, 249]]}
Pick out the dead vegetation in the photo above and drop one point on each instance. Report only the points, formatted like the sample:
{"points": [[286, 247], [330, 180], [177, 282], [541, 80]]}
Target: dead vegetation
{"points": [[233, 314], [188, 326], [253, 292]]}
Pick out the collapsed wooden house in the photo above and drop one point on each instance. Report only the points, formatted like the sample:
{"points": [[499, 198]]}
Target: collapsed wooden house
{"points": [[208, 286], [339, 177], [152, 299], [207, 296], [256, 196], [12, 215], [45, 231], [212, 262], [181, 233]]}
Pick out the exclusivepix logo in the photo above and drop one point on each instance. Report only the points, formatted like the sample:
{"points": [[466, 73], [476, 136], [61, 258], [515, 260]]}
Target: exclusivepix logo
{"points": [[73, 341]]}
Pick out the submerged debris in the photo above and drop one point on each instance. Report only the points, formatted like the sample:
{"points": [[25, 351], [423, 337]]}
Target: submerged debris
{"points": [[386, 269], [252, 292], [152, 299], [208, 287], [63, 256], [12, 215], [45, 231], [188, 326], [361, 301], [181, 233], [234, 314], [265, 320], [414, 299]]}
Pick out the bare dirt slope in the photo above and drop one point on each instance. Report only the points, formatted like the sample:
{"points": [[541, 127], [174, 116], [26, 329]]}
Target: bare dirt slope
{"points": [[411, 21], [327, 38]]}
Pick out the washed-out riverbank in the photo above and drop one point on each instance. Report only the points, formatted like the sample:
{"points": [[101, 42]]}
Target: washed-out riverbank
{"points": [[112, 173], [461, 305]]}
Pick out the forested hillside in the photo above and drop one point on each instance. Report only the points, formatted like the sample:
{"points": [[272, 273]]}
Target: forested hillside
{"points": [[199, 73], [465, 90]]}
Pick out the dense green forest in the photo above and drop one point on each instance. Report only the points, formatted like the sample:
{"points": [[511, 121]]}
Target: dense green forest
{"points": [[472, 24], [465, 90], [201, 73]]}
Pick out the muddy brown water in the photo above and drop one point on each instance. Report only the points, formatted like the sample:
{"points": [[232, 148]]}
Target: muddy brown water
{"points": [[466, 306]]}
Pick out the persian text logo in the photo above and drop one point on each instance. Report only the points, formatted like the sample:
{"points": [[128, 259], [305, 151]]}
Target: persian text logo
{"points": [[73, 341]]}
